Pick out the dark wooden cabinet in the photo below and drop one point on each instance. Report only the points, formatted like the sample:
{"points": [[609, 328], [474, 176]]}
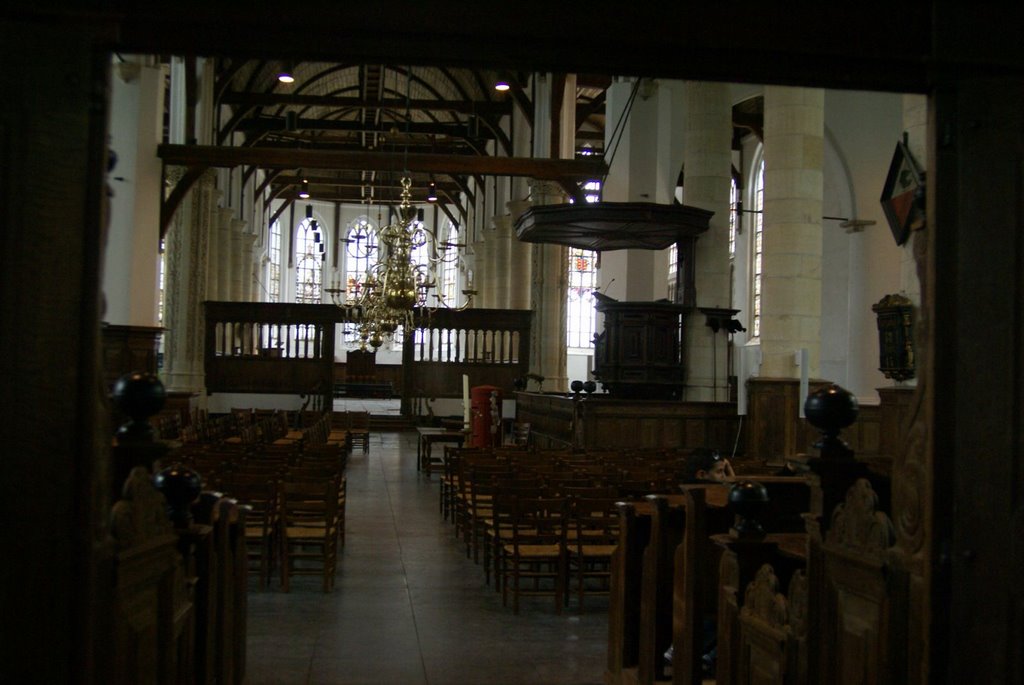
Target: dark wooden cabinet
{"points": [[639, 354]]}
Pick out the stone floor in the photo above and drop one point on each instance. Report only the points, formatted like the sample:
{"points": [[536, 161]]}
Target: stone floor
{"points": [[409, 608]]}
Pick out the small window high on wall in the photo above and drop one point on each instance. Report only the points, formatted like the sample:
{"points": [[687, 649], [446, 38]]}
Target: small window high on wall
{"points": [[309, 253], [757, 251], [274, 263], [580, 306]]}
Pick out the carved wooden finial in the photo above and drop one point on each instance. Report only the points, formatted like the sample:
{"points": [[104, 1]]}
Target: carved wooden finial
{"points": [[141, 513], [763, 599], [858, 524]]}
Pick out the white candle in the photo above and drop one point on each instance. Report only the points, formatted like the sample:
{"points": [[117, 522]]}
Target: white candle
{"points": [[465, 400]]}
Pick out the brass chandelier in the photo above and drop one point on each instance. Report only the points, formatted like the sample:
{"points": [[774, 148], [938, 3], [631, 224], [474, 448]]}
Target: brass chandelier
{"points": [[397, 285]]}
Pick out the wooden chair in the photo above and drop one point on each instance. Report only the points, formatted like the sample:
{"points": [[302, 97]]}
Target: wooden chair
{"points": [[260, 494], [358, 430], [308, 531], [534, 561], [593, 538]]}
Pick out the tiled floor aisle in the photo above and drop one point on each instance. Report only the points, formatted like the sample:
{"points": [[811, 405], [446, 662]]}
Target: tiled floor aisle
{"points": [[409, 608]]}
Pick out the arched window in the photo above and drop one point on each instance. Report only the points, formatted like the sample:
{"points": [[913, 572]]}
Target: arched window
{"points": [[757, 249], [580, 307], [448, 253], [309, 258], [274, 263], [734, 218], [360, 256]]}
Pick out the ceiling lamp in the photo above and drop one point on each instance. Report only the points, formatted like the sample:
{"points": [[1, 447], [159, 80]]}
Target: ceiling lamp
{"points": [[284, 74], [432, 193], [402, 281], [304, 190], [502, 85]]}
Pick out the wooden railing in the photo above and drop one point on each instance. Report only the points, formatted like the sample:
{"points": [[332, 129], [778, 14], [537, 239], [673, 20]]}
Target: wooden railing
{"points": [[491, 346], [260, 347]]}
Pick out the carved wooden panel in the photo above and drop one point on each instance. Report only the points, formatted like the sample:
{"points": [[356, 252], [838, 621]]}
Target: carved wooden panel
{"points": [[855, 629]]}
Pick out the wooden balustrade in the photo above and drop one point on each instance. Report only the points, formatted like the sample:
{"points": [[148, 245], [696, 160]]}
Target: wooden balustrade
{"points": [[262, 347]]}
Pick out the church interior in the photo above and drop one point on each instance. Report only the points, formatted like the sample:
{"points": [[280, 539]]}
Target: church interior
{"points": [[360, 327]]}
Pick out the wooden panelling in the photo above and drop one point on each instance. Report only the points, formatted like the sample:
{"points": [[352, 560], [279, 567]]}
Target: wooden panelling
{"points": [[603, 422], [774, 418]]}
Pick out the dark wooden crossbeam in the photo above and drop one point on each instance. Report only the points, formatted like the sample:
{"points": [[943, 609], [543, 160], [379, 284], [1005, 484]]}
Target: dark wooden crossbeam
{"points": [[479, 107], [276, 158], [566, 172]]}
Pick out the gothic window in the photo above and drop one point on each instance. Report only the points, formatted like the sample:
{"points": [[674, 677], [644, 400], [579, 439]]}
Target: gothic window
{"points": [[274, 263], [309, 258], [448, 252], [360, 256], [734, 218], [757, 250], [580, 309]]}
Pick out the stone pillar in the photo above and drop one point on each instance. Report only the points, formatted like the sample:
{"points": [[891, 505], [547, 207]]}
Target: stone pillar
{"points": [[213, 258], [708, 163], [185, 287], [520, 259], [248, 245], [501, 253], [484, 283], [548, 354], [224, 252], [237, 257], [791, 286]]}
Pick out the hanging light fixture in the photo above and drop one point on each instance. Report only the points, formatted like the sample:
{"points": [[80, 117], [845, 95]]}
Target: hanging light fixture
{"points": [[432, 193], [501, 85], [398, 285], [304, 189]]}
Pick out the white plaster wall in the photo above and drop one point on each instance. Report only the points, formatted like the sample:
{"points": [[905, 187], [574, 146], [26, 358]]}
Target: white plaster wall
{"points": [[858, 268], [863, 129], [130, 273]]}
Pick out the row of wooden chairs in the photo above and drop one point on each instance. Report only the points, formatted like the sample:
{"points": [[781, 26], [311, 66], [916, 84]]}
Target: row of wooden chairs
{"points": [[297, 522], [485, 493]]}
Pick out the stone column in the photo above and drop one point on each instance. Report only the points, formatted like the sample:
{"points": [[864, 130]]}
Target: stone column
{"points": [[791, 285], [500, 254], [224, 252], [237, 257], [483, 282], [185, 287], [248, 245], [213, 258], [708, 163], [520, 259], [548, 294]]}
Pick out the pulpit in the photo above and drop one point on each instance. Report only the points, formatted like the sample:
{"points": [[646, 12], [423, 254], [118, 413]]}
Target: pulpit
{"points": [[639, 355]]}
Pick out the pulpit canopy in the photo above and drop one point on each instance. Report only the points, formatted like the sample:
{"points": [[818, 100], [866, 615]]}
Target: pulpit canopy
{"points": [[604, 226]]}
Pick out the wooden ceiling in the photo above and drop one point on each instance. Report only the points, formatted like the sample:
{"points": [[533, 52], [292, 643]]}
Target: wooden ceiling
{"points": [[353, 130]]}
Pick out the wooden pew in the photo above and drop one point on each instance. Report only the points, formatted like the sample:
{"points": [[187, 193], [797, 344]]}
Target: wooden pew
{"points": [[761, 643], [820, 607], [644, 579], [153, 617], [624, 595]]}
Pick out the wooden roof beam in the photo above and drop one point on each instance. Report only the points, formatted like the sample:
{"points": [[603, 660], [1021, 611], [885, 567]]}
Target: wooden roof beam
{"points": [[277, 158]]}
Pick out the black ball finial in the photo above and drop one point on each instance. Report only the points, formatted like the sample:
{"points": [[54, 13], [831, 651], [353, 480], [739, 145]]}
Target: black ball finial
{"points": [[576, 387], [748, 499], [589, 387], [138, 396], [180, 486], [830, 409]]}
